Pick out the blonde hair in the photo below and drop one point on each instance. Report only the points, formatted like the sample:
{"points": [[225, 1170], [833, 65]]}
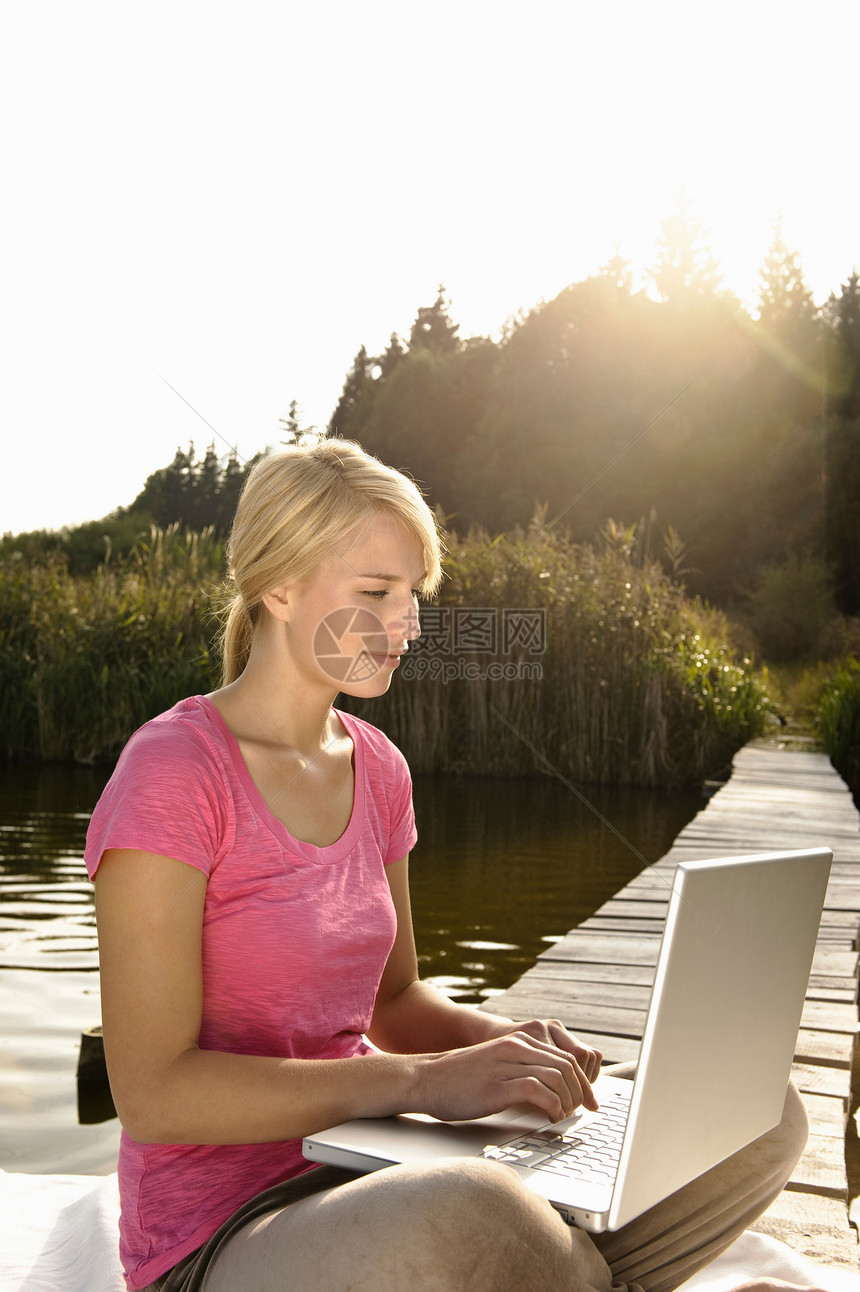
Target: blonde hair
{"points": [[296, 509]]}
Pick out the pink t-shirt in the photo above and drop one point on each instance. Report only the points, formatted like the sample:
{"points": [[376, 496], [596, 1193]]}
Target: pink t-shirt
{"points": [[295, 939]]}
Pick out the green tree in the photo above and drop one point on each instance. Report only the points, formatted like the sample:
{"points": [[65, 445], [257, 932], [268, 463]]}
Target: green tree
{"points": [[619, 272], [686, 268], [291, 424], [785, 302], [356, 389], [843, 510], [192, 492], [233, 478], [395, 353], [843, 315], [425, 414], [434, 329], [843, 444], [165, 494]]}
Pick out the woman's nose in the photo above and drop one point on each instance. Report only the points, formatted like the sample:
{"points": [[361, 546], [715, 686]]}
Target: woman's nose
{"points": [[409, 627]]}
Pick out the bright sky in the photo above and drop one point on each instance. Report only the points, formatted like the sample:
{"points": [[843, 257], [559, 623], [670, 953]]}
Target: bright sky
{"points": [[233, 198]]}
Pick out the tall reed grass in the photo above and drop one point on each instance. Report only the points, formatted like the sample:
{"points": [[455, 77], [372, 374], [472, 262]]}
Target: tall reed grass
{"points": [[84, 660], [839, 722], [637, 684]]}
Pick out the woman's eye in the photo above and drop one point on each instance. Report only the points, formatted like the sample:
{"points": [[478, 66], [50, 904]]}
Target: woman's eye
{"points": [[378, 594]]}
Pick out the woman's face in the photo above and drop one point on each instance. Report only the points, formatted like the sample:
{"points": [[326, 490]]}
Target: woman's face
{"points": [[354, 618]]}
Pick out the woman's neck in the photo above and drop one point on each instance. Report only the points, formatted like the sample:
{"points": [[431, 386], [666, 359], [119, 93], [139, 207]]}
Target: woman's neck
{"points": [[268, 703]]}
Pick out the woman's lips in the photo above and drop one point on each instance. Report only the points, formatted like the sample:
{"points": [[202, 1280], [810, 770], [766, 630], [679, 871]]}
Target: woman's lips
{"points": [[390, 658]]}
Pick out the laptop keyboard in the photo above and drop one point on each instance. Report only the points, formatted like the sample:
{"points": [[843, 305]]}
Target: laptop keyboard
{"points": [[588, 1152]]}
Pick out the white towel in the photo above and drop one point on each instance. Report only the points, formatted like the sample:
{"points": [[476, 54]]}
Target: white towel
{"points": [[58, 1233]]}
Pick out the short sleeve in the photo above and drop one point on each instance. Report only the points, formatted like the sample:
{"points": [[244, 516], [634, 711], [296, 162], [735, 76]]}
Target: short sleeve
{"points": [[166, 796], [404, 833]]}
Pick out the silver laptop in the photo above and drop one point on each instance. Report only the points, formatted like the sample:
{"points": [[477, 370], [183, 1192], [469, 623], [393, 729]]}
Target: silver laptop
{"points": [[713, 1070]]}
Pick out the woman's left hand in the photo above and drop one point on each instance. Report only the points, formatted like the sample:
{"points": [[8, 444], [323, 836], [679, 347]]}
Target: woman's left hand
{"points": [[552, 1032]]}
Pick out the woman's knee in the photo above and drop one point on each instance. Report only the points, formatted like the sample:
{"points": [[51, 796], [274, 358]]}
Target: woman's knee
{"points": [[472, 1193], [499, 1234], [455, 1224]]}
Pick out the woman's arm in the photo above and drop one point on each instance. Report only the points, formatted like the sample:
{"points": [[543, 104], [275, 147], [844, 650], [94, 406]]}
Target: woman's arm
{"points": [[412, 1017], [168, 1090]]}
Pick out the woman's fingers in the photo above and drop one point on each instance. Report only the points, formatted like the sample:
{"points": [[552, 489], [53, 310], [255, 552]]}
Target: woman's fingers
{"points": [[555, 1033], [517, 1067], [577, 1083], [528, 1069]]}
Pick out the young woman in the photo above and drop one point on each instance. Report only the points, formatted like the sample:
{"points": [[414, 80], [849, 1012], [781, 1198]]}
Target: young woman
{"points": [[250, 862]]}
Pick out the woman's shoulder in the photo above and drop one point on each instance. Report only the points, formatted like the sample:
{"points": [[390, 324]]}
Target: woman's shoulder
{"points": [[373, 740], [183, 746], [169, 791], [189, 728]]}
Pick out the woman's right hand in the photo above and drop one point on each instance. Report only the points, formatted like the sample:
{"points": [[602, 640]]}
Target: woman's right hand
{"points": [[491, 1076]]}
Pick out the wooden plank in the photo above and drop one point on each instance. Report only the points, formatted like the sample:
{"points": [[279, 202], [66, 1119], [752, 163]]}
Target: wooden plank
{"points": [[842, 963], [591, 971], [615, 1049], [812, 1225], [826, 1017], [844, 920], [614, 995], [827, 1030], [842, 897], [576, 1015], [827, 1049], [637, 908], [812, 1079], [826, 1116], [599, 947], [603, 924], [602, 947], [841, 990], [821, 1168]]}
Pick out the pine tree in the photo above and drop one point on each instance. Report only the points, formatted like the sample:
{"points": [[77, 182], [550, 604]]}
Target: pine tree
{"points": [[843, 447], [293, 430], [193, 492], [433, 328], [619, 272], [394, 354], [844, 315], [355, 387], [686, 268], [206, 490], [785, 301]]}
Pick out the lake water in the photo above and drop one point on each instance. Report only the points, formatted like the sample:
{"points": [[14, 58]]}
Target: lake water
{"points": [[501, 869]]}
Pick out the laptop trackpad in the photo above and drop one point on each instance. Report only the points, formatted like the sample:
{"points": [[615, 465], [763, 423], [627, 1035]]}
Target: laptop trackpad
{"points": [[525, 1115]]}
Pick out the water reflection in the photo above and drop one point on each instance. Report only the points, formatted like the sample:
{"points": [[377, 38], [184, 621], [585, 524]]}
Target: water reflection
{"points": [[47, 920], [503, 867], [48, 970]]}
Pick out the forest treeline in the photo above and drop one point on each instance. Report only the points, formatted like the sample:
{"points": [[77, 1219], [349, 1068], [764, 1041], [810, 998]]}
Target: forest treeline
{"points": [[682, 416], [677, 412]]}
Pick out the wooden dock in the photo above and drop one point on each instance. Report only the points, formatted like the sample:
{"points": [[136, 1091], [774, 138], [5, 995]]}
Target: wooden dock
{"points": [[597, 978]]}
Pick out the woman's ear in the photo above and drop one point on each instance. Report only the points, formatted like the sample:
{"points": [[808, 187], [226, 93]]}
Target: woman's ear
{"points": [[277, 602]]}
